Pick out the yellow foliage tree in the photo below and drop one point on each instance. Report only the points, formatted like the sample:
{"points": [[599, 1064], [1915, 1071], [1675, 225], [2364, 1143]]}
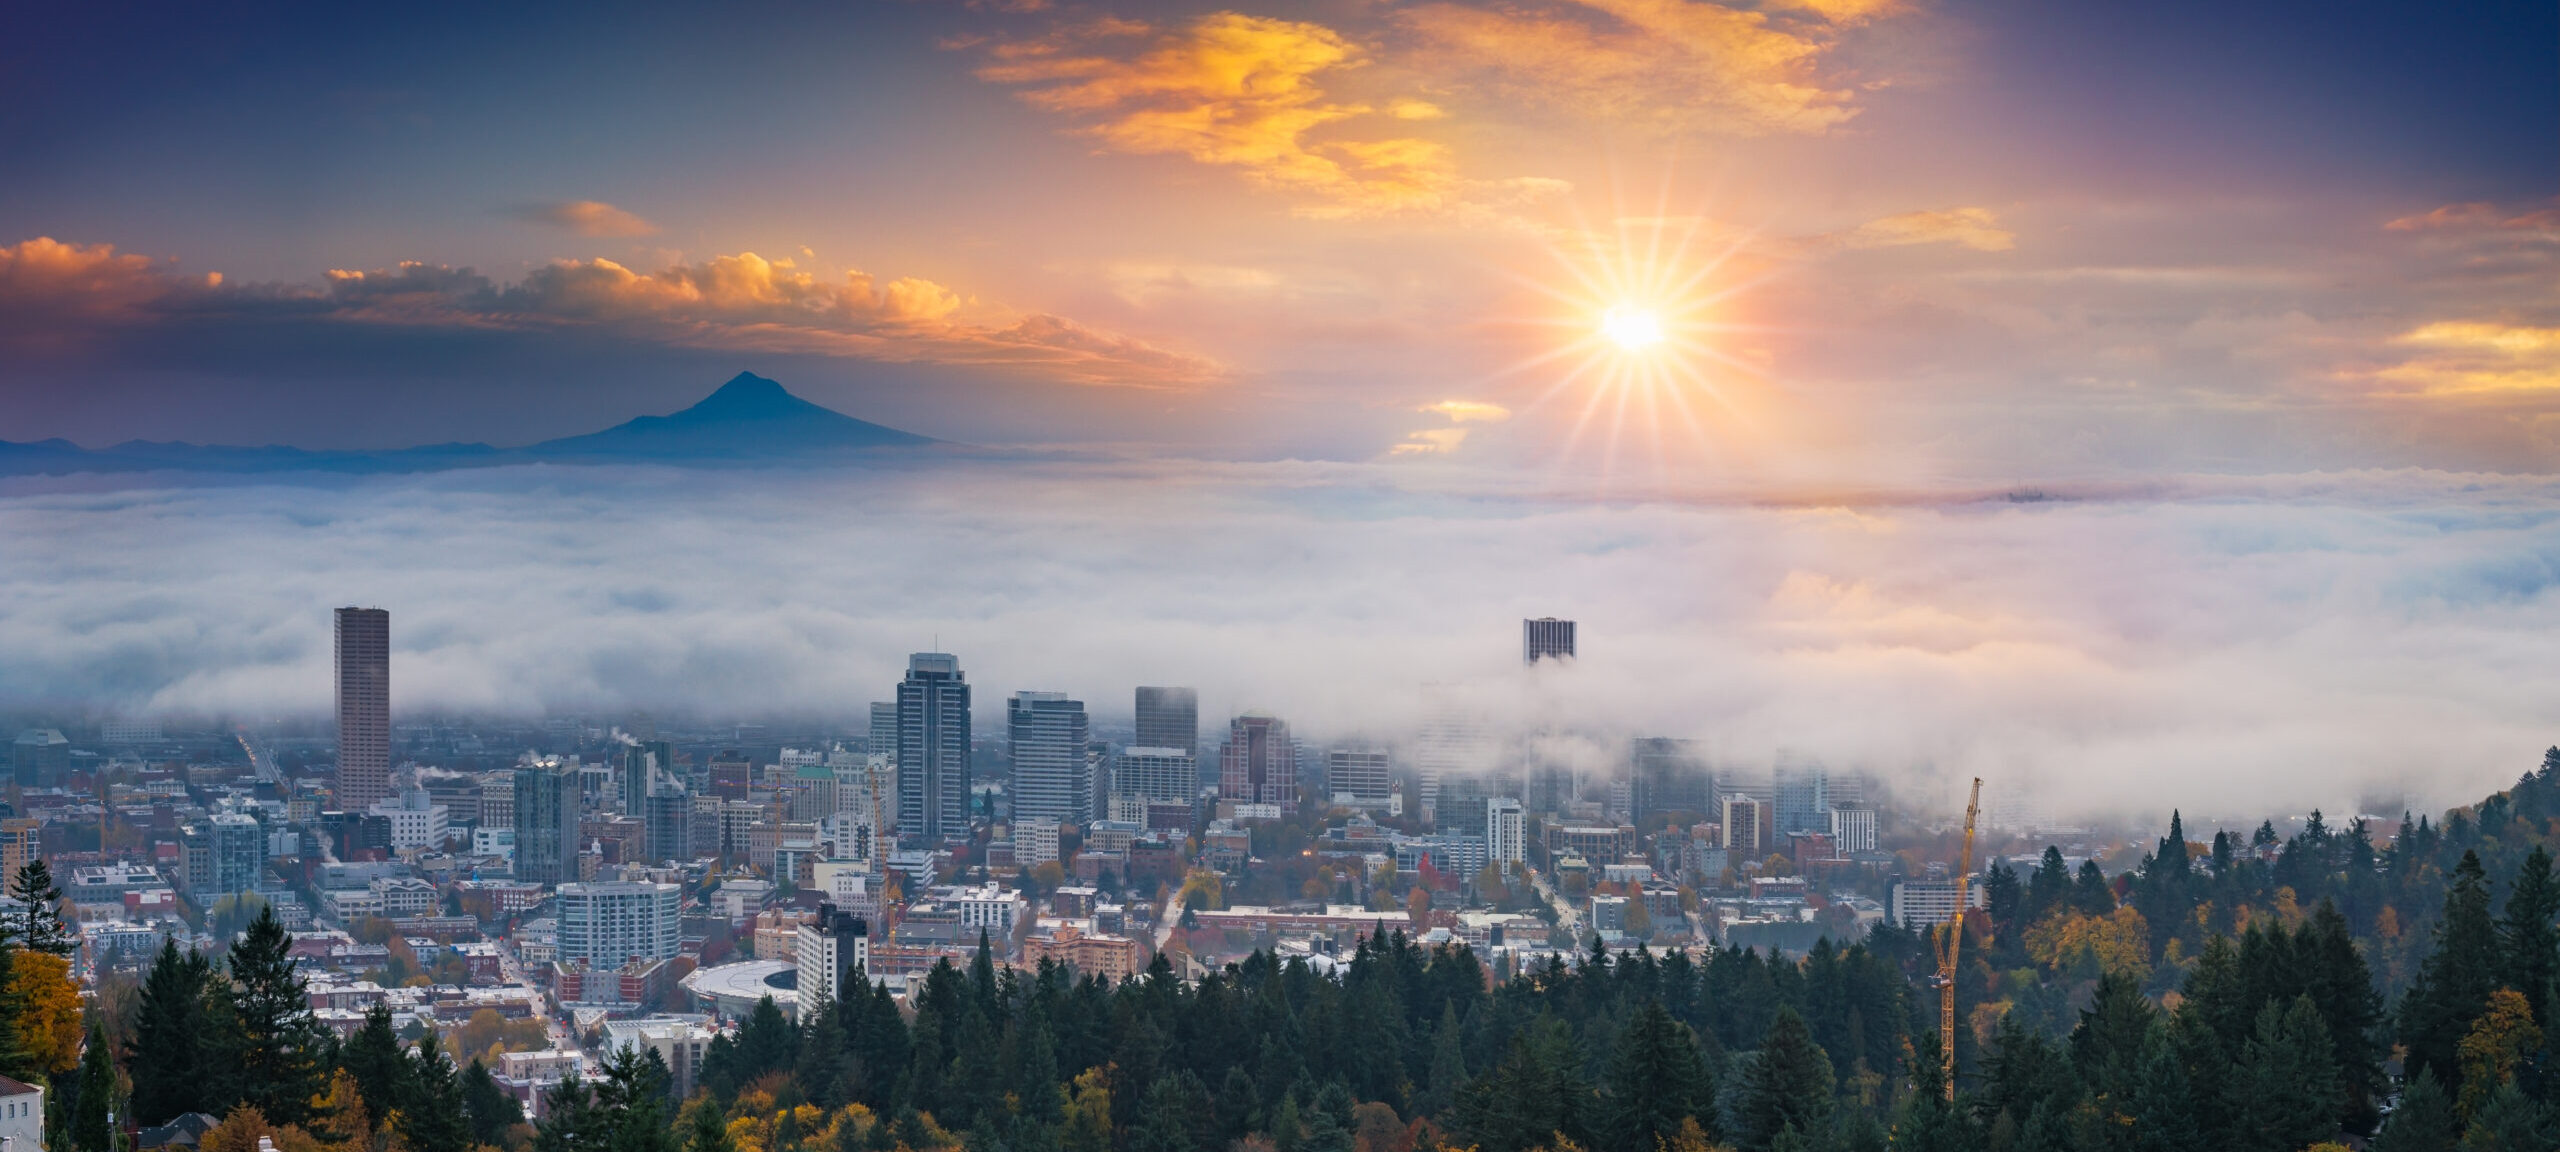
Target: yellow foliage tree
{"points": [[342, 1124], [2498, 1041], [238, 1132], [51, 1025], [1087, 1126], [2120, 940], [1208, 886]]}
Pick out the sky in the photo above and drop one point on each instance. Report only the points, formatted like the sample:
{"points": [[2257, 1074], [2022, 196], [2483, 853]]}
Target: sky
{"points": [[2093, 395]]}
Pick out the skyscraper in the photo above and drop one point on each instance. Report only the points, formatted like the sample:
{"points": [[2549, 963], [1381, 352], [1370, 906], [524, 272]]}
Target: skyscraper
{"points": [[546, 816], [1163, 775], [1506, 831], [1546, 638], [1669, 776], [1169, 718], [364, 707], [933, 749], [884, 729], [1354, 775], [1052, 773], [610, 924], [1259, 764], [1803, 796]]}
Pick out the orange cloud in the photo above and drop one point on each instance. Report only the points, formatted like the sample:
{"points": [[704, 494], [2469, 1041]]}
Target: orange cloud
{"points": [[1675, 63], [2477, 359], [1235, 91], [1464, 411], [589, 218], [743, 301], [1975, 228]]}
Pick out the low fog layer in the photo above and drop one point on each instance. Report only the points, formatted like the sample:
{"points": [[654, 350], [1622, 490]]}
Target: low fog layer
{"points": [[2229, 645]]}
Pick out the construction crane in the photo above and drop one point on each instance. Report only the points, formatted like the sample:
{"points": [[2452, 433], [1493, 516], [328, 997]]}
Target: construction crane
{"points": [[1955, 940], [871, 773]]}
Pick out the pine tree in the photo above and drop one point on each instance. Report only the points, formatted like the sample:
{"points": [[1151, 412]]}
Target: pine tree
{"points": [[2164, 1106], [431, 1114], [492, 1112], [2090, 894], [633, 1098], [2424, 1121], [280, 1043], [1170, 1119], [2512, 1122], [1655, 1081], [1928, 1121], [1448, 1062], [2049, 888], [711, 1133], [2291, 1096], [570, 1120], [97, 1093], [2529, 934], [39, 928], [374, 1057], [1787, 1083], [2454, 982], [165, 1058]]}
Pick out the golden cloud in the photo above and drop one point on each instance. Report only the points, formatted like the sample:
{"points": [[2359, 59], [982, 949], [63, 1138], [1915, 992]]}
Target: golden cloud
{"points": [[1675, 63], [743, 302], [2476, 359], [589, 218], [1430, 442], [1465, 411], [1975, 228], [1235, 91]]}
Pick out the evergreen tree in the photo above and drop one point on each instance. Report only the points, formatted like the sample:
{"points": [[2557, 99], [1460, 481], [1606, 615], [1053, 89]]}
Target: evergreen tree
{"points": [[2529, 934], [633, 1096], [491, 1111], [1928, 1121], [711, 1132], [166, 1056], [1537, 1092], [2050, 887], [2090, 894], [2335, 976], [1787, 1083], [1655, 1080], [571, 1122], [2453, 984], [97, 1094], [2512, 1122], [2164, 1111], [374, 1057], [1448, 1062], [2291, 1093], [279, 1044], [1171, 1119], [39, 926], [2423, 1122], [431, 1113]]}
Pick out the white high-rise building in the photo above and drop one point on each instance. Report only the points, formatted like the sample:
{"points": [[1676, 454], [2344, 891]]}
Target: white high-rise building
{"points": [[610, 924], [1920, 903], [1853, 829], [1166, 774], [1052, 768], [1357, 777], [1506, 831], [831, 950], [416, 822], [1449, 746]]}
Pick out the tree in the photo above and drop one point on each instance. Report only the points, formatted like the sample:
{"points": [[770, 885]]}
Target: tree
{"points": [[279, 1043], [238, 1132], [711, 1132], [97, 1092], [2090, 894], [375, 1059], [2529, 933], [1088, 1114], [2512, 1122], [490, 1110], [2498, 1042], [2454, 982], [2290, 1079], [165, 1057], [1786, 1084], [40, 928], [570, 1120], [1173, 1117], [1655, 1080], [2424, 1121], [432, 1117]]}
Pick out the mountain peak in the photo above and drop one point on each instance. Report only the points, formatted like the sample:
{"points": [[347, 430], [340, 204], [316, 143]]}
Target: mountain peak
{"points": [[750, 416], [748, 396]]}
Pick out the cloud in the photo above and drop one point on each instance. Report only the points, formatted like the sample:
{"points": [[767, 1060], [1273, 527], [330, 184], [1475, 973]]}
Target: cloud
{"points": [[1975, 228], [1464, 411], [1234, 91], [1674, 64], [742, 302], [588, 218], [2478, 215], [2244, 647], [2477, 359]]}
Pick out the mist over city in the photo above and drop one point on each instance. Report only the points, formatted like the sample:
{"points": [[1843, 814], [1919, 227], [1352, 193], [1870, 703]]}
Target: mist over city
{"points": [[1339, 576]]}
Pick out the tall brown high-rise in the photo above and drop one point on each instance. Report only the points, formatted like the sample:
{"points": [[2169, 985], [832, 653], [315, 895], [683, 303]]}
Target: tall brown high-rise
{"points": [[364, 707]]}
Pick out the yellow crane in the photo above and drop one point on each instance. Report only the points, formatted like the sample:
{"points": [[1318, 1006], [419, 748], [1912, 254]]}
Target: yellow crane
{"points": [[1955, 940]]}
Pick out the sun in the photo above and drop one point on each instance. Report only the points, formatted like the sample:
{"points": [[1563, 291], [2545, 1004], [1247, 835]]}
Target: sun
{"points": [[1631, 328]]}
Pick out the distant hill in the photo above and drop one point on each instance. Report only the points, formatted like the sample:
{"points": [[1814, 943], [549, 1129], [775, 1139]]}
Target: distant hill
{"points": [[748, 420]]}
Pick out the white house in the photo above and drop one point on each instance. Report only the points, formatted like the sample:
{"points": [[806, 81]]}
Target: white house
{"points": [[21, 1117]]}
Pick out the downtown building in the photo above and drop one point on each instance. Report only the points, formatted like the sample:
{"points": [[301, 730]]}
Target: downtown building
{"points": [[546, 805], [1053, 770], [933, 750], [606, 926], [1259, 764], [1546, 638], [1170, 718], [364, 708], [1358, 778]]}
